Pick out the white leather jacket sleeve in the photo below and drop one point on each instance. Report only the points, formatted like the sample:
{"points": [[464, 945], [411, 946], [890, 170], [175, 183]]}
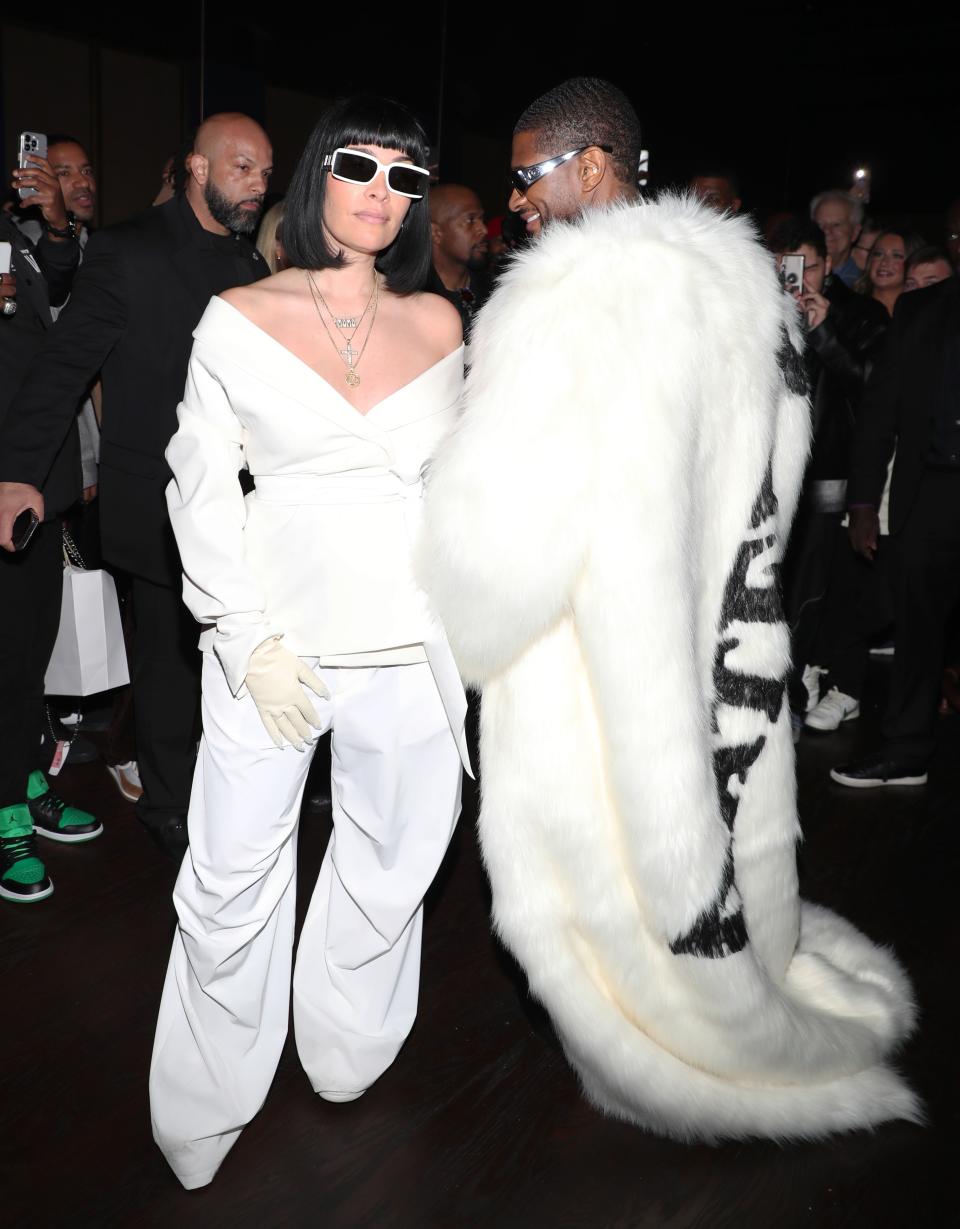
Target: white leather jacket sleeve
{"points": [[208, 514]]}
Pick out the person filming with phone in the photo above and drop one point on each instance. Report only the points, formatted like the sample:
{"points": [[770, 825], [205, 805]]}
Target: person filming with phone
{"points": [[844, 335], [34, 279], [138, 296]]}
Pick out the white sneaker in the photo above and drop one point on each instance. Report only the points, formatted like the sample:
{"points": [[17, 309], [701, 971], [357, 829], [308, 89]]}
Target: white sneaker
{"points": [[834, 708], [811, 681], [127, 777]]}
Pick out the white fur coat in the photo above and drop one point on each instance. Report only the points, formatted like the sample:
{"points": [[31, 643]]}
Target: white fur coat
{"points": [[603, 533]]}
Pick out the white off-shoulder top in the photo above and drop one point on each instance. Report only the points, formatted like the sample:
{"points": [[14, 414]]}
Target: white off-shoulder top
{"points": [[320, 551]]}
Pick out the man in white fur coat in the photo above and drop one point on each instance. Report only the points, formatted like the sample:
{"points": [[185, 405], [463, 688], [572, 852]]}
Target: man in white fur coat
{"points": [[602, 540]]}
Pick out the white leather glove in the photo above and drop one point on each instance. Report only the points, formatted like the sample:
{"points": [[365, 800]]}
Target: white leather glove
{"points": [[275, 679]]}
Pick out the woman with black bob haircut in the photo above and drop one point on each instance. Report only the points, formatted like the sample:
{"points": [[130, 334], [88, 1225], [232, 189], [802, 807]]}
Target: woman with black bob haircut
{"points": [[364, 120], [332, 382]]}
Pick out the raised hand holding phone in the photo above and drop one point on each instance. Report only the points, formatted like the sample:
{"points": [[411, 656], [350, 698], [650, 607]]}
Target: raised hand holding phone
{"points": [[860, 184], [814, 307], [32, 145], [38, 186]]}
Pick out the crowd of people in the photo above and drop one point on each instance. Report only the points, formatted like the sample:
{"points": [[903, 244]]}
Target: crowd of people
{"points": [[156, 378]]}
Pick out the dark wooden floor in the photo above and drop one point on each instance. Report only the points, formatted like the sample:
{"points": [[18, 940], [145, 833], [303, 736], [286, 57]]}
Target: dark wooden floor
{"points": [[479, 1122]]}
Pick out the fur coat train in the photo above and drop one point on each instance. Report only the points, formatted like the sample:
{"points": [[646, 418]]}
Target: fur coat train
{"points": [[603, 535]]}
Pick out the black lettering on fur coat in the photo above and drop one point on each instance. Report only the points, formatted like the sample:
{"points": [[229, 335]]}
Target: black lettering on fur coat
{"points": [[790, 362], [720, 930]]}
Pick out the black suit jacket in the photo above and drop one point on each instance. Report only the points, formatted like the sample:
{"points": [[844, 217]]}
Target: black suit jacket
{"points": [[139, 295], [23, 336], [902, 399]]}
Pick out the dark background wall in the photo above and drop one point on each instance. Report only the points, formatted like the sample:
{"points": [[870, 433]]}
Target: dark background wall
{"points": [[793, 94], [132, 109]]}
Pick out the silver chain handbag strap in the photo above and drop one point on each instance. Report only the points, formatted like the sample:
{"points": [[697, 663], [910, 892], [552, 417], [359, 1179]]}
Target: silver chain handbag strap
{"points": [[71, 554]]}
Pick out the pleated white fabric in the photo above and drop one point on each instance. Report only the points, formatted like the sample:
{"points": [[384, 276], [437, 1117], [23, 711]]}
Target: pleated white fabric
{"points": [[223, 1016]]}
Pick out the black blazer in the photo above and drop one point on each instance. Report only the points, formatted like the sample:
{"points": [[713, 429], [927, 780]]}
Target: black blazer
{"points": [[902, 399], [139, 295], [22, 336]]}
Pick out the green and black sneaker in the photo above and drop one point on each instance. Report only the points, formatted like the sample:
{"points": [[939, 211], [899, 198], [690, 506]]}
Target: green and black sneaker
{"points": [[23, 877], [53, 818]]}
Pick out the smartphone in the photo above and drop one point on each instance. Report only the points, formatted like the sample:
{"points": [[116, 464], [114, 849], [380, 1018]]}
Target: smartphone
{"points": [[32, 144], [24, 527], [6, 255], [860, 184], [791, 273]]}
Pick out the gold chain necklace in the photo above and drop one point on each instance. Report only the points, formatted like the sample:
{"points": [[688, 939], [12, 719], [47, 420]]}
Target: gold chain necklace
{"points": [[350, 356], [346, 322]]}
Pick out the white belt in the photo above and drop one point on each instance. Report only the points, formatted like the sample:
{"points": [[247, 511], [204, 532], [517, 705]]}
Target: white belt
{"points": [[352, 488]]}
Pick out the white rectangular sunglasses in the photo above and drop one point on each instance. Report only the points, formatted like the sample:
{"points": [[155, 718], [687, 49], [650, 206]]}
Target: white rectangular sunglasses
{"points": [[355, 166]]}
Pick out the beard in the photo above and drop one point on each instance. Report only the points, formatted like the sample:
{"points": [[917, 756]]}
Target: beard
{"points": [[478, 259], [229, 213]]}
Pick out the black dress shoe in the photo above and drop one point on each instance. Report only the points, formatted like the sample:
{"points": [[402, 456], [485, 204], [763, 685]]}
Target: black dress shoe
{"points": [[879, 769], [170, 835]]}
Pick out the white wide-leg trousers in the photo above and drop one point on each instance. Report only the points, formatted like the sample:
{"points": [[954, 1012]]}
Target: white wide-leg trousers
{"points": [[223, 1014]]}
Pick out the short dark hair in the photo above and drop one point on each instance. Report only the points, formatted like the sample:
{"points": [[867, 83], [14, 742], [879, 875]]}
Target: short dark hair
{"points": [[710, 170], [63, 138], [926, 256], [586, 111], [362, 119], [792, 233]]}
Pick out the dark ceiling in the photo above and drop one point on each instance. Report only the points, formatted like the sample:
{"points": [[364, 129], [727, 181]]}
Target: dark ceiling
{"points": [[793, 95]]}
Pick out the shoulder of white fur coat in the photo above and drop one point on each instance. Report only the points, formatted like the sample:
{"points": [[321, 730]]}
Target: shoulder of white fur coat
{"points": [[609, 348], [715, 256]]}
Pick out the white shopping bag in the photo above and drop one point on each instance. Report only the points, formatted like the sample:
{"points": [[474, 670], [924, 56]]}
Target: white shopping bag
{"points": [[89, 655]]}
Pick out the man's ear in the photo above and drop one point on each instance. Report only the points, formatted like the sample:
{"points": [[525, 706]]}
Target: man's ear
{"points": [[856, 233], [828, 265], [591, 168], [435, 232], [198, 167]]}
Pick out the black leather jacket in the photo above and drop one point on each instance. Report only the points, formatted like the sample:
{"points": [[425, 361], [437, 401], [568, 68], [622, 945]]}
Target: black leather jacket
{"points": [[840, 355], [44, 273]]}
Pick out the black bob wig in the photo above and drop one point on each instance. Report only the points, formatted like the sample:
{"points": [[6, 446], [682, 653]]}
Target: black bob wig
{"points": [[362, 119]]}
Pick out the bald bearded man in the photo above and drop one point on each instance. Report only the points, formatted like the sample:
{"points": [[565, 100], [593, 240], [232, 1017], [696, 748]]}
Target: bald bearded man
{"points": [[141, 291]]}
